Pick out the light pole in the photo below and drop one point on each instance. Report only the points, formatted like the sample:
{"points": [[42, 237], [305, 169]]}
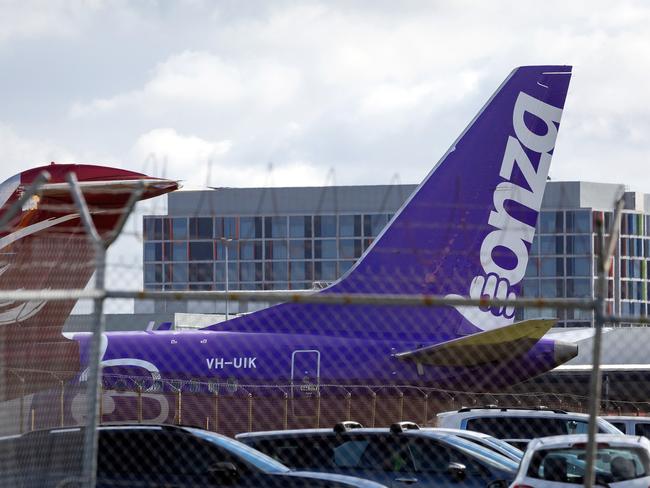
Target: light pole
{"points": [[226, 242]]}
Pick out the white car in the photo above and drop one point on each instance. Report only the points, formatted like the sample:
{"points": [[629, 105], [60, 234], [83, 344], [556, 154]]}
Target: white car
{"points": [[630, 424], [560, 461], [519, 425]]}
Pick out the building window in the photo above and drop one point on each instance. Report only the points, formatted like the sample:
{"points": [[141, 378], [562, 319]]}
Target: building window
{"points": [[276, 250], [578, 244], [152, 229], [325, 226], [325, 249], [325, 270], [349, 248], [300, 249], [250, 272], [578, 266], [276, 271], [250, 250], [552, 288], [373, 224], [275, 227], [552, 267], [179, 272], [551, 222], [551, 245], [201, 272], [531, 288], [250, 227], [578, 288], [201, 228], [300, 271], [350, 225], [201, 251], [179, 229], [300, 226], [153, 251], [179, 251], [153, 273], [578, 222]]}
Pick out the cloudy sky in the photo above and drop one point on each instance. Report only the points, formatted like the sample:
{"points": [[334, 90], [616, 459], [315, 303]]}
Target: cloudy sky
{"points": [[321, 91]]}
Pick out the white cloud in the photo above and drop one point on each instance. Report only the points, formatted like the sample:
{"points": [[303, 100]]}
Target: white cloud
{"points": [[18, 153]]}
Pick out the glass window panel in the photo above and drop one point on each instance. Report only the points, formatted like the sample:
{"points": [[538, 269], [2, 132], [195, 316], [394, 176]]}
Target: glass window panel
{"points": [[167, 251], [276, 271], [230, 227], [349, 225], [250, 227], [325, 226], [153, 228], [275, 227], [153, 251], [534, 247], [179, 272], [349, 248], [250, 271], [551, 222], [578, 266], [300, 271], [233, 250], [531, 288], [551, 288], [325, 249], [344, 266], [373, 224], [325, 270], [179, 228], [249, 250], [276, 250], [220, 272], [552, 267], [551, 245], [578, 244], [153, 273], [201, 272], [578, 288], [299, 249], [300, 226], [201, 251], [201, 228], [578, 221], [532, 269], [179, 251]]}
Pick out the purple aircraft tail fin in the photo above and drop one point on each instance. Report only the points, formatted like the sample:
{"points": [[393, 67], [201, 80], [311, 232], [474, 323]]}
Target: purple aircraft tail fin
{"points": [[467, 229]]}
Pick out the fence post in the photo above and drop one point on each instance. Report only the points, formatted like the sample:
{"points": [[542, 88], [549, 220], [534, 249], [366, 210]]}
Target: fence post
{"points": [[318, 409], [286, 411], [250, 412], [425, 420], [374, 409], [101, 403], [139, 404], [216, 411], [33, 419], [62, 404], [401, 406], [179, 408], [22, 404], [348, 398]]}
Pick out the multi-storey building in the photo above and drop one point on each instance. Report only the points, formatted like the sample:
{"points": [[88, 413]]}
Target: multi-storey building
{"points": [[298, 238]]}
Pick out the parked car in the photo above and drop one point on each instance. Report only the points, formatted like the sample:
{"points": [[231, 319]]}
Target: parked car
{"points": [[497, 445], [621, 461], [397, 456], [630, 424], [518, 426], [147, 456]]}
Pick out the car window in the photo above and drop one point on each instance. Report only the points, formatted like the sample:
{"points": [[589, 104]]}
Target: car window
{"points": [[526, 427], [157, 452], [619, 425], [300, 452], [386, 453], [642, 429], [567, 465]]}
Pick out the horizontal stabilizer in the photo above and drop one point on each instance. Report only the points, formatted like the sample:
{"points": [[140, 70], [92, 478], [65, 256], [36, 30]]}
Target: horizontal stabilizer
{"points": [[484, 347]]}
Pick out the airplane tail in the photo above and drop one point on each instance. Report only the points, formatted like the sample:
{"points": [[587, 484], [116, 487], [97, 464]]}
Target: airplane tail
{"points": [[45, 246], [465, 231]]}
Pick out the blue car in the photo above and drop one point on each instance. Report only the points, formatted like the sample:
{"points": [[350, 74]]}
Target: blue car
{"points": [[402, 455]]}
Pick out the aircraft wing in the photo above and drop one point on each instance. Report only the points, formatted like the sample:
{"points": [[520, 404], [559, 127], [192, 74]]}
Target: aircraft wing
{"points": [[483, 347]]}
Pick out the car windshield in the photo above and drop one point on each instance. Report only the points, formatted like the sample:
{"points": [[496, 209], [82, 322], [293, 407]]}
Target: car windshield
{"points": [[482, 453], [254, 457], [567, 465], [503, 427]]}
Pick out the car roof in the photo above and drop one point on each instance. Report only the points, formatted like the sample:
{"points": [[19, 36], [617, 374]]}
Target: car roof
{"points": [[566, 440], [614, 418], [511, 412]]}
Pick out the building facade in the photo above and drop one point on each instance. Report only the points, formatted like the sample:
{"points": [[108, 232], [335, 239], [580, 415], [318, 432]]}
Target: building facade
{"points": [[301, 238]]}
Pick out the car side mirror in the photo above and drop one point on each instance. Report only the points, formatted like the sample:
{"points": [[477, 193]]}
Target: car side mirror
{"points": [[224, 473], [457, 471]]}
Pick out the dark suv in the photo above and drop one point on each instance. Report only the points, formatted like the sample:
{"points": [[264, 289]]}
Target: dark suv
{"points": [[397, 456], [148, 456]]}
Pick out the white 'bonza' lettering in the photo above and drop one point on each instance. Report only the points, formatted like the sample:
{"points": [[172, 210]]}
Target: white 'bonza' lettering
{"points": [[509, 232]]}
